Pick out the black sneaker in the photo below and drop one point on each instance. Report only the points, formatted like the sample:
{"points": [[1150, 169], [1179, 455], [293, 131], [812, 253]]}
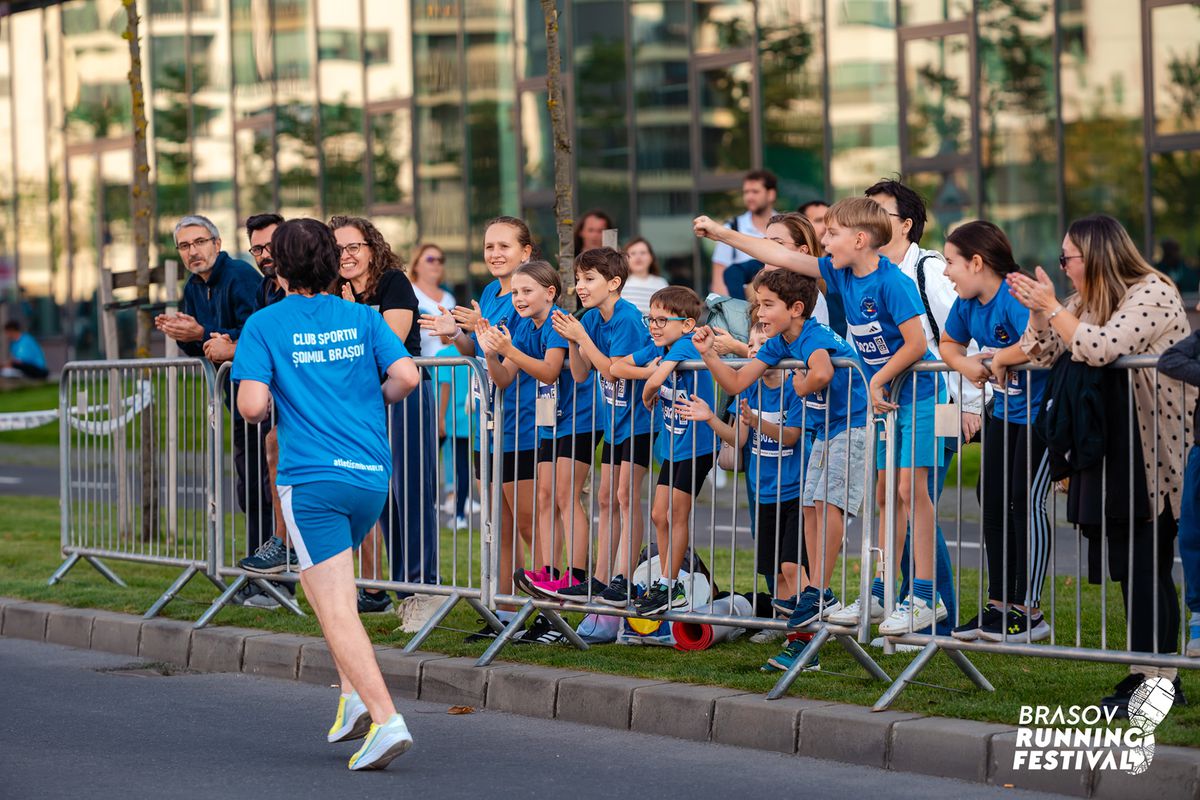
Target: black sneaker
{"points": [[616, 594], [580, 592], [542, 631], [992, 617], [1016, 628], [485, 632], [272, 557], [373, 602], [1119, 699], [659, 599]]}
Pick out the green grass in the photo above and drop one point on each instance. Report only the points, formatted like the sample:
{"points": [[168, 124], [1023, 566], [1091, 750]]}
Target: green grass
{"points": [[29, 553], [40, 397]]}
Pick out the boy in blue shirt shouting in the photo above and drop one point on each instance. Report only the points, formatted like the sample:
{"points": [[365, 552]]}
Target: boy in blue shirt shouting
{"points": [[883, 314], [686, 447], [837, 398], [320, 359]]}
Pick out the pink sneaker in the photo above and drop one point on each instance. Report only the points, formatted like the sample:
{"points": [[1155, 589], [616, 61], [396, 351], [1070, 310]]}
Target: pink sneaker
{"points": [[524, 579], [551, 588]]}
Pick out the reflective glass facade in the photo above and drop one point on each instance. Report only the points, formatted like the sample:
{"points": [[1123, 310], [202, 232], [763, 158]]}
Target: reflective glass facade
{"points": [[430, 116]]}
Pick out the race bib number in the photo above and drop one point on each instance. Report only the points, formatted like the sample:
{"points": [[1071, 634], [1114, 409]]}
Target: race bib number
{"points": [[547, 404], [765, 446], [615, 392], [672, 422], [868, 339]]}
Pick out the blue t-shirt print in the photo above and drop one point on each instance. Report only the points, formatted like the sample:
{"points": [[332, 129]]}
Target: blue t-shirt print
{"points": [[774, 470], [845, 398], [323, 359], [535, 342], [498, 310], [994, 325], [621, 335], [876, 304], [675, 438]]}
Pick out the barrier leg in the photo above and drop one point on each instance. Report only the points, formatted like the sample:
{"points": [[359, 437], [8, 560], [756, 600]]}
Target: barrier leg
{"points": [[103, 569], [806, 657], [970, 670], [280, 597], [220, 602], [566, 630], [63, 569], [851, 646], [518, 624], [438, 617], [906, 677], [216, 581], [170, 593], [490, 619]]}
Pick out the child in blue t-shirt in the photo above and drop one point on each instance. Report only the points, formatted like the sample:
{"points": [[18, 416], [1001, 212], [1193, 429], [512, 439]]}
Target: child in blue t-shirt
{"points": [[1015, 473], [611, 329], [685, 446], [770, 426], [320, 359], [567, 444], [883, 313]]}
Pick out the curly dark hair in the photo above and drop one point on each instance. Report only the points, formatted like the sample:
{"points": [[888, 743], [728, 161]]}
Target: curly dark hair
{"points": [[306, 255], [383, 257]]}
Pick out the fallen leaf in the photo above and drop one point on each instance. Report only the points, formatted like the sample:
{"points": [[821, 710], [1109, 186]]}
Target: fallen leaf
{"points": [[461, 710]]}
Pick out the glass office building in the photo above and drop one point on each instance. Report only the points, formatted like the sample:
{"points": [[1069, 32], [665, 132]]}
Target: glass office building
{"points": [[430, 117]]}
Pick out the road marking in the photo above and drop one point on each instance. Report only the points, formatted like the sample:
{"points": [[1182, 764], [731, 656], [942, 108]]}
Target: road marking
{"points": [[7, 481]]}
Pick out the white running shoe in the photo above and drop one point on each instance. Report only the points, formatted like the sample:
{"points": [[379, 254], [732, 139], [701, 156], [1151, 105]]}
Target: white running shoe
{"points": [[767, 635], [912, 615], [352, 720], [384, 743], [848, 615]]}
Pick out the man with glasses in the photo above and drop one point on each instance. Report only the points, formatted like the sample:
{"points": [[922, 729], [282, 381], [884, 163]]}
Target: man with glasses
{"points": [[217, 299]]}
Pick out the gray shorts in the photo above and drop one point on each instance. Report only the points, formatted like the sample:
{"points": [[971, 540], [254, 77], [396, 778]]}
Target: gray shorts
{"points": [[826, 478]]}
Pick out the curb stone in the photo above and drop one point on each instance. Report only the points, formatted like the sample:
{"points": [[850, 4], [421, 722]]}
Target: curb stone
{"points": [[834, 731]]}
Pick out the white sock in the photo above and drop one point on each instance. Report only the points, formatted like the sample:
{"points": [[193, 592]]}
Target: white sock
{"points": [[345, 695]]}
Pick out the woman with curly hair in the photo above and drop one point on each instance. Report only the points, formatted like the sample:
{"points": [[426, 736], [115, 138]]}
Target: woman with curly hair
{"points": [[369, 272]]}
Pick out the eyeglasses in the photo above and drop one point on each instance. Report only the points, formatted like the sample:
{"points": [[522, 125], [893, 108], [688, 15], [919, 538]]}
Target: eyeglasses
{"points": [[183, 247], [659, 322], [258, 249], [435, 259], [1063, 258], [351, 248]]}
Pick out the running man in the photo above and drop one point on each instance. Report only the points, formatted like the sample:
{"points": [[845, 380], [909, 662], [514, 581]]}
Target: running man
{"points": [[320, 360]]}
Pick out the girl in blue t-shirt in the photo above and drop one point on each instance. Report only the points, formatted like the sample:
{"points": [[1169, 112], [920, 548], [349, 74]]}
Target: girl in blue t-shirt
{"points": [[507, 244], [532, 350], [1014, 474]]}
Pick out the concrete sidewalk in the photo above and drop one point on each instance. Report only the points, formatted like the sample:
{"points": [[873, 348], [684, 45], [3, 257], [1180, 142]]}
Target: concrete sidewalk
{"points": [[901, 741]]}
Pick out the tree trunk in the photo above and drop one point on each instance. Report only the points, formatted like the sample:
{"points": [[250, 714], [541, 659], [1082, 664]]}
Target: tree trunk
{"points": [[140, 197], [563, 213]]}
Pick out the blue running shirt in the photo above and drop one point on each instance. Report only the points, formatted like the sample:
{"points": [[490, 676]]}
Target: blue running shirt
{"points": [[622, 335], [675, 437], [995, 325], [773, 471], [876, 304], [498, 309], [323, 359], [845, 396]]}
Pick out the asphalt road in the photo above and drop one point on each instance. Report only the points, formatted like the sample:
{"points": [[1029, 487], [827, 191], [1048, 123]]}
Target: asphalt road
{"points": [[79, 723]]}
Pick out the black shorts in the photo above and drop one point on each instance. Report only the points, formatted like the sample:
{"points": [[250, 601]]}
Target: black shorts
{"points": [[686, 476], [787, 512], [581, 447], [519, 465], [635, 449]]}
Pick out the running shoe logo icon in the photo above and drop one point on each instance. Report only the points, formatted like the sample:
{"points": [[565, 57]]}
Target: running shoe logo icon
{"points": [[1148, 707]]}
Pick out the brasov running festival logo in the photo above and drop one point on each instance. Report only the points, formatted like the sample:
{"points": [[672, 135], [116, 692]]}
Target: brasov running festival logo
{"points": [[1091, 740]]}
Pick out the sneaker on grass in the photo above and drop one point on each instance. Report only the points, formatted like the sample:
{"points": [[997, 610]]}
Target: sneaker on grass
{"points": [[969, 630], [848, 615], [542, 631], [271, 558], [912, 616], [813, 605], [383, 743], [352, 720], [373, 602], [767, 636], [784, 661], [1015, 626], [660, 599]]}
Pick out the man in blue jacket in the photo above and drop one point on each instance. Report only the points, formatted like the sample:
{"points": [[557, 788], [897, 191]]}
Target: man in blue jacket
{"points": [[217, 299]]}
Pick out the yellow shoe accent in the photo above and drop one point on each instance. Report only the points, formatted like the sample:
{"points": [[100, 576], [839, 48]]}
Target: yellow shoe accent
{"points": [[339, 720], [366, 744]]}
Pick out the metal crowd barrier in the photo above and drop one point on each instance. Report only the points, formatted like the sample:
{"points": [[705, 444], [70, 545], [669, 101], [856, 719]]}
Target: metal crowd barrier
{"points": [[114, 415], [719, 511], [1057, 567], [417, 549]]}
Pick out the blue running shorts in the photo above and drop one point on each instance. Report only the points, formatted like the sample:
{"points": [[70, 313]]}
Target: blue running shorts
{"points": [[323, 519]]}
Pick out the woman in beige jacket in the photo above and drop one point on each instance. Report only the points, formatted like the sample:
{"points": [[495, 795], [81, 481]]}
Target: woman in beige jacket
{"points": [[1124, 307]]}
